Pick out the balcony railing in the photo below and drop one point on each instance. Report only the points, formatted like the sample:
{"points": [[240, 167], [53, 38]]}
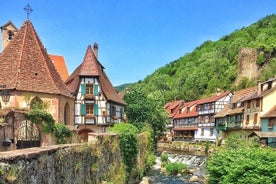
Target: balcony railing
{"points": [[206, 124], [191, 125]]}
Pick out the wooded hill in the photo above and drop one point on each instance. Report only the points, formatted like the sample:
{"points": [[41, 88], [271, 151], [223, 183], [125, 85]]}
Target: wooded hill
{"points": [[214, 65]]}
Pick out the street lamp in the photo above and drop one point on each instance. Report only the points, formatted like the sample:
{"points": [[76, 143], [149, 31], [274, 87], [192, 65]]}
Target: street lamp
{"points": [[5, 95]]}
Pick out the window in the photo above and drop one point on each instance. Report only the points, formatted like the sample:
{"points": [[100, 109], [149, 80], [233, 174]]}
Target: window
{"points": [[258, 102], [210, 106], [89, 108], [202, 132], [248, 104], [206, 120], [36, 103], [200, 119], [88, 88], [255, 118], [104, 113], [211, 131], [247, 119], [113, 110], [271, 122], [10, 35], [188, 109]]}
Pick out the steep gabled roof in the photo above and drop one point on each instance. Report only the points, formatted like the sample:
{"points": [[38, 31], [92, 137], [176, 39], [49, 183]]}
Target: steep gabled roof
{"points": [[60, 66], [91, 67], [26, 66]]}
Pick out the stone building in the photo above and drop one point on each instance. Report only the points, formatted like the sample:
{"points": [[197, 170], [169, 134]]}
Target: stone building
{"points": [[28, 76]]}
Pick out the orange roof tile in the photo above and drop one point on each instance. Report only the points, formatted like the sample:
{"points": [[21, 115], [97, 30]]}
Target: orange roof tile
{"points": [[240, 95], [91, 67], [172, 107], [60, 66], [184, 113], [26, 66], [214, 98]]}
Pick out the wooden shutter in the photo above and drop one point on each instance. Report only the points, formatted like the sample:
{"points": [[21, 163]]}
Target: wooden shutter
{"points": [[83, 89], [96, 110], [96, 89], [83, 109]]}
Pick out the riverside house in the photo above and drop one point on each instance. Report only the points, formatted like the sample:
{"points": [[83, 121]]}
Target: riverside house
{"points": [[253, 111]]}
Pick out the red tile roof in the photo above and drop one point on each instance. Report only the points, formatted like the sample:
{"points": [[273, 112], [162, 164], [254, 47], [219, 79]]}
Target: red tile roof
{"points": [[26, 66], [184, 113], [91, 67], [172, 107], [241, 95], [214, 98], [60, 66]]}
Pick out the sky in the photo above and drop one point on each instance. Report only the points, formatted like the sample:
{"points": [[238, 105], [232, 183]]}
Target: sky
{"points": [[135, 37]]}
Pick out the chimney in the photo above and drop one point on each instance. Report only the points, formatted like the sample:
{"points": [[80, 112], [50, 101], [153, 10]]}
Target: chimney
{"points": [[259, 89], [95, 48]]}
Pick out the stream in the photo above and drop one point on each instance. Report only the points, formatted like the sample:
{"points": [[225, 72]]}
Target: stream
{"points": [[196, 165]]}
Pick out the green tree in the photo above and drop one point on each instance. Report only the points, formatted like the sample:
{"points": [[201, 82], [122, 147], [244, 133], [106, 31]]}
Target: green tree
{"points": [[142, 110], [128, 143]]}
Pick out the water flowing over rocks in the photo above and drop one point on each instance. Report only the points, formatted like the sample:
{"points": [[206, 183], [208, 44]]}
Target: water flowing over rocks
{"points": [[196, 167]]}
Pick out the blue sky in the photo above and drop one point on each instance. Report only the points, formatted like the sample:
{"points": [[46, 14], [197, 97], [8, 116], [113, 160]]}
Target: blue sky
{"points": [[135, 37]]}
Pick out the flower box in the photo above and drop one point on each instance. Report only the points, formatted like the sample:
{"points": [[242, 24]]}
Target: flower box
{"points": [[89, 116]]}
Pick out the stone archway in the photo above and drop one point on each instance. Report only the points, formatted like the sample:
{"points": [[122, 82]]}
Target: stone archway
{"points": [[83, 133], [28, 135]]}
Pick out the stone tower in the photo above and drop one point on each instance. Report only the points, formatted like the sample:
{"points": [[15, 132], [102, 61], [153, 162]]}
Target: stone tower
{"points": [[247, 64], [8, 31]]}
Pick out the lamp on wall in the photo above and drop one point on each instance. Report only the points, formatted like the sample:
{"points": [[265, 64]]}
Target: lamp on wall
{"points": [[5, 95]]}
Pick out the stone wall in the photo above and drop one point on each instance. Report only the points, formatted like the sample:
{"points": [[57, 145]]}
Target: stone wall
{"points": [[92, 162]]}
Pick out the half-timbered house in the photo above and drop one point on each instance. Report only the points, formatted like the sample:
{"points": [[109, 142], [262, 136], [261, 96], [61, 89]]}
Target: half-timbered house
{"points": [[97, 104], [207, 108]]}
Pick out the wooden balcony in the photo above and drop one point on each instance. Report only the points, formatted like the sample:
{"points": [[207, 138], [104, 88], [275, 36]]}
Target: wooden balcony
{"points": [[212, 124], [191, 126]]}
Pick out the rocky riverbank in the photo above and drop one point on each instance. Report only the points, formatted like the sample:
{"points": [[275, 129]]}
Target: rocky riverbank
{"points": [[195, 164]]}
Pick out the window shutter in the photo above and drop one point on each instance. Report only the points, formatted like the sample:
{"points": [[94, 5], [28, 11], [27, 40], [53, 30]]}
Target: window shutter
{"points": [[96, 110], [83, 109], [96, 89], [83, 89]]}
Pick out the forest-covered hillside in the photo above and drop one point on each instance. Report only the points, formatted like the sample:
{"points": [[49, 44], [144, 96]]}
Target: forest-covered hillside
{"points": [[214, 65]]}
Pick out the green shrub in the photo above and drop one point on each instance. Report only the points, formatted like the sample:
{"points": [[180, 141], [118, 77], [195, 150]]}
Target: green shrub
{"points": [[242, 161], [164, 157], [175, 168], [61, 133]]}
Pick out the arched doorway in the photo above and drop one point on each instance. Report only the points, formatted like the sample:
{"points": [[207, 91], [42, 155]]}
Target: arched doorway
{"points": [[83, 133], [28, 135], [66, 114]]}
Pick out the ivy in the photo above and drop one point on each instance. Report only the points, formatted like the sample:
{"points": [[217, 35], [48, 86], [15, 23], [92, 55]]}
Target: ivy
{"points": [[42, 119], [47, 124]]}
